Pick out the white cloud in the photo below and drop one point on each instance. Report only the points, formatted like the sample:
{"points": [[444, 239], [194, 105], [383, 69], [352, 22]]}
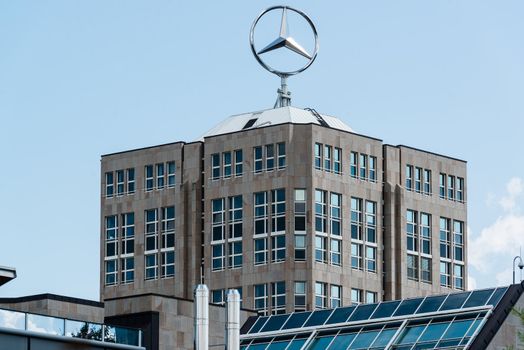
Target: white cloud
{"points": [[472, 283], [514, 189]]}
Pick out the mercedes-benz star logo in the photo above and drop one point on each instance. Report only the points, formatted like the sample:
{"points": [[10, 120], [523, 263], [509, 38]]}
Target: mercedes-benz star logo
{"points": [[284, 40]]}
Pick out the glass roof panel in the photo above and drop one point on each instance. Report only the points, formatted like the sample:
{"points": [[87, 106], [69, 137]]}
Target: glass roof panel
{"points": [[454, 301], [407, 307], [458, 329], [274, 323], [431, 304], [342, 341], [473, 328], [248, 324], [318, 318], [296, 320], [479, 297], [434, 331], [495, 298], [341, 314], [385, 309], [384, 337], [321, 343], [257, 346], [260, 322], [362, 312], [410, 334], [296, 344], [364, 340], [279, 345]]}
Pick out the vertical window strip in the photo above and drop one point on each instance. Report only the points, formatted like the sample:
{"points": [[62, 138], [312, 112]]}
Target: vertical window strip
{"points": [[171, 169], [270, 157], [160, 173], [258, 165], [239, 165], [149, 180], [131, 181], [110, 186], [227, 164], [300, 296], [215, 166], [281, 151], [120, 181]]}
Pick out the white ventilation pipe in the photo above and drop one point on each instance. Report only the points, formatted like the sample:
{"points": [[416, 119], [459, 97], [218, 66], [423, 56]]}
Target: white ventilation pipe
{"points": [[233, 320], [201, 317]]}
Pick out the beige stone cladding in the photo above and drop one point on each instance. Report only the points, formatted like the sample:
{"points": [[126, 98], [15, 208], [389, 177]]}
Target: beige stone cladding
{"points": [[402, 163], [138, 202], [57, 306], [509, 334], [176, 322]]}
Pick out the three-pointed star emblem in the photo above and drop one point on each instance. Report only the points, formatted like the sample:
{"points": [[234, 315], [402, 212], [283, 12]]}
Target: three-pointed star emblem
{"points": [[284, 40]]}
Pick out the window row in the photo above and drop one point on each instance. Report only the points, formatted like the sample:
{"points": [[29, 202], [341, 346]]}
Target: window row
{"points": [[418, 179], [269, 157], [328, 158], [452, 273], [122, 180], [219, 296], [451, 187], [327, 295], [227, 164], [161, 265], [159, 176], [270, 298]]}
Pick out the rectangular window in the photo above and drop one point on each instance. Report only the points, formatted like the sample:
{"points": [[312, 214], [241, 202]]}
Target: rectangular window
{"points": [[168, 227], [320, 295], [168, 264], [239, 165], [327, 157], [128, 270], [320, 249], [442, 185], [335, 298], [300, 247], [356, 296], [335, 214], [300, 296], [111, 236], [458, 240], [445, 274], [111, 272], [445, 238], [128, 233], [372, 169], [412, 265], [425, 233], [356, 218], [300, 211], [363, 160], [160, 172], [278, 297], [151, 264], [270, 157], [451, 187], [226, 164], [460, 189], [218, 229], [318, 156], [353, 164], [371, 222], [235, 217], [217, 296], [131, 181], [215, 166], [418, 180], [337, 161], [149, 178], [258, 163], [110, 186], [261, 213], [278, 248], [458, 276], [235, 254], [356, 256], [411, 231], [371, 297], [260, 298], [120, 181], [151, 230], [427, 181], [171, 168], [371, 259], [278, 211], [320, 211], [281, 153], [425, 270], [335, 253], [260, 251], [217, 256], [409, 177]]}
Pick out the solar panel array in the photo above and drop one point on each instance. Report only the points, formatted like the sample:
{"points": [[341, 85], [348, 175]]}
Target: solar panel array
{"points": [[366, 312]]}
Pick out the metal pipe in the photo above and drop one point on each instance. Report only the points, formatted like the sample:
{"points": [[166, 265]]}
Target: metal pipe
{"points": [[233, 320], [201, 295]]}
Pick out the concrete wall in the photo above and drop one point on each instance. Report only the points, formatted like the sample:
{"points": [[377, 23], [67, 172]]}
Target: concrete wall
{"points": [[507, 335]]}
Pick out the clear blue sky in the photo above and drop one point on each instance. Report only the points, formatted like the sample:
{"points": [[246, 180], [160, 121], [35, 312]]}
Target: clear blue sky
{"points": [[83, 78]]}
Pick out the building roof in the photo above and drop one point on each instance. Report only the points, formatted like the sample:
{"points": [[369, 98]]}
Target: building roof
{"points": [[455, 321], [275, 116], [7, 274]]}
